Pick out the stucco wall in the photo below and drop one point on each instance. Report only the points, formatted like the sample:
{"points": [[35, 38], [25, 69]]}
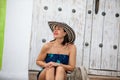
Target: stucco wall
{"points": [[17, 40]]}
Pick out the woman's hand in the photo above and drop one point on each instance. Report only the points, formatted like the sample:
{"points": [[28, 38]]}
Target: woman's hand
{"points": [[51, 64]]}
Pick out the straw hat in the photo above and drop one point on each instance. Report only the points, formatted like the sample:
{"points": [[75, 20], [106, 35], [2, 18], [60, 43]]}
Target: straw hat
{"points": [[67, 28]]}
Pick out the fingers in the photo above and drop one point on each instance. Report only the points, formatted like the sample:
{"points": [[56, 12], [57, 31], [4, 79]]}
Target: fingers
{"points": [[51, 64]]}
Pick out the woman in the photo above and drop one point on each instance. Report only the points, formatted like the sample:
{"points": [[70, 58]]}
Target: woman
{"points": [[59, 55]]}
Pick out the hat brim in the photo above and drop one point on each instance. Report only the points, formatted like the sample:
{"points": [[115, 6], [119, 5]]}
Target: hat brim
{"points": [[68, 29]]}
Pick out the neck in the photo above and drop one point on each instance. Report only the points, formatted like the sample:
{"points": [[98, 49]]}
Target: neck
{"points": [[58, 41]]}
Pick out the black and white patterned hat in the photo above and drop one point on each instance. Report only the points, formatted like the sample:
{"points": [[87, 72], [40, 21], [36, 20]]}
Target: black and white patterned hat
{"points": [[67, 28]]}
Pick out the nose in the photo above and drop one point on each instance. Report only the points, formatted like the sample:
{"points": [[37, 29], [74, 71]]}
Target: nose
{"points": [[55, 30]]}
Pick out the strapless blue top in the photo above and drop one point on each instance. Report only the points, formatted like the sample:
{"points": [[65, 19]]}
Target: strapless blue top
{"points": [[58, 58]]}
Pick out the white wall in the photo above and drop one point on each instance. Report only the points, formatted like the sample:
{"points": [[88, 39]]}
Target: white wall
{"points": [[17, 40]]}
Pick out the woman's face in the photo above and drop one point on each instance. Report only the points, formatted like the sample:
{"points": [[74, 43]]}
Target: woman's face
{"points": [[58, 32]]}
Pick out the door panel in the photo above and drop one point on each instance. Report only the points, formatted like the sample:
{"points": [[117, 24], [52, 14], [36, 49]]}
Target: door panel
{"points": [[96, 36], [110, 37], [87, 33]]}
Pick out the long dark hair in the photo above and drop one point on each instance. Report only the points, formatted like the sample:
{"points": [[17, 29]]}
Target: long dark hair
{"points": [[66, 40]]}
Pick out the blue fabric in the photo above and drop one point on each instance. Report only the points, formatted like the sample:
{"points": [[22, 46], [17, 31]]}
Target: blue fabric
{"points": [[59, 58]]}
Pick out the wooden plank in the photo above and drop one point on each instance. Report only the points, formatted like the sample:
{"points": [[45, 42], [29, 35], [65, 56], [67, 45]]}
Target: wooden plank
{"points": [[110, 37], [33, 75], [47, 10], [77, 21], [98, 21], [33, 50], [87, 33], [99, 72], [103, 72], [118, 24], [94, 77]]}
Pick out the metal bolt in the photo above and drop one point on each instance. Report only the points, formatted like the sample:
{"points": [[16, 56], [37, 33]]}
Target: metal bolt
{"points": [[59, 9], [73, 10], [103, 13], [89, 11], [45, 8]]}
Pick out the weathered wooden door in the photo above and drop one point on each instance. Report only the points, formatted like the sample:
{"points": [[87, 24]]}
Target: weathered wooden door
{"points": [[101, 47], [97, 27]]}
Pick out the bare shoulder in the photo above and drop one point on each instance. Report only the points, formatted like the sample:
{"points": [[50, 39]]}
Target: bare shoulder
{"points": [[72, 49], [72, 46], [47, 45]]}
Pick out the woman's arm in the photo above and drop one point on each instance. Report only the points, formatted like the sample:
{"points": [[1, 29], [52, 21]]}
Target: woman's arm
{"points": [[72, 59], [42, 55]]}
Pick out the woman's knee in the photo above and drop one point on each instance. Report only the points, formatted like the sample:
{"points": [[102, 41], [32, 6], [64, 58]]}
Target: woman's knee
{"points": [[41, 75], [60, 69], [50, 73], [60, 73], [50, 70]]}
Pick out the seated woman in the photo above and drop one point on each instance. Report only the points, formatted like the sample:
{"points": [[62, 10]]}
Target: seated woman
{"points": [[59, 55]]}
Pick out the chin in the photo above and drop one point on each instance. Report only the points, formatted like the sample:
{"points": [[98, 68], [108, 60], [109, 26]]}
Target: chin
{"points": [[55, 36]]}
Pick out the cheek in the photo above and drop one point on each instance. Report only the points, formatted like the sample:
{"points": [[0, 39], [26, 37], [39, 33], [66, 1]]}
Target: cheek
{"points": [[61, 33], [64, 33]]}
